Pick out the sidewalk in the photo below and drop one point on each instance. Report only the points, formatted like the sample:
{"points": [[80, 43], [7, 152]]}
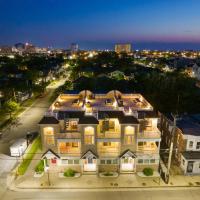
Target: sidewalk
{"points": [[95, 182]]}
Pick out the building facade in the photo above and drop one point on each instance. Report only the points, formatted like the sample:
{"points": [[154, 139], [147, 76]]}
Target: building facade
{"points": [[94, 133], [186, 141], [123, 48]]}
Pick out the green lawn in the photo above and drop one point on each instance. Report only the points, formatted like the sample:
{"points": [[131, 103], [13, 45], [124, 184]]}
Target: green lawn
{"points": [[28, 156]]}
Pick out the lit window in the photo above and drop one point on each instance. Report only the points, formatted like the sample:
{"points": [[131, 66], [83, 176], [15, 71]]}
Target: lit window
{"points": [[89, 135]]}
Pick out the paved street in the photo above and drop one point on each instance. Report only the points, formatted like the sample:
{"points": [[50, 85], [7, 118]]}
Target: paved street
{"points": [[142, 194], [28, 120]]}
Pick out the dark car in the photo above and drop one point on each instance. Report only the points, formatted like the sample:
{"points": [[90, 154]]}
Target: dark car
{"points": [[30, 136]]}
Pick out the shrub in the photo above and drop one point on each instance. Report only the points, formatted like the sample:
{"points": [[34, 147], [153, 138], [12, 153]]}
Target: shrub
{"points": [[69, 173], [148, 171], [40, 167], [108, 174]]}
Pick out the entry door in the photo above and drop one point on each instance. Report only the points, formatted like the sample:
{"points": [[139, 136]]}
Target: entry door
{"points": [[127, 164], [190, 166], [90, 165]]}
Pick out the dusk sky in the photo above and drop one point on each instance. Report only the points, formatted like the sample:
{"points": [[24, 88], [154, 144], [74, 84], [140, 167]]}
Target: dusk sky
{"points": [[162, 24]]}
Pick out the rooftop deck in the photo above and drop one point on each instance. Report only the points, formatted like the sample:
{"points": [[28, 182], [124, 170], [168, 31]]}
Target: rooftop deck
{"points": [[97, 102]]}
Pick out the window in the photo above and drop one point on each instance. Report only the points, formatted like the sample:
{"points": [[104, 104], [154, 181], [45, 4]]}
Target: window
{"points": [[129, 130], [75, 144], [146, 161], [109, 162], [115, 162], [106, 144], [72, 125], [198, 145], [148, 125], [108, 125], [48, 131], [128, 139], [89, 135], [64, 161], [76, 162], [129, 135], [140, 161], [152, 161], [191, 144], [89, 139], [103, 162], [70, 162], [49, 140]]}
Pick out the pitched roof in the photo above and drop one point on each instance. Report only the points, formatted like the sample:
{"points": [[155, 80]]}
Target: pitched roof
{"points": [[110, 114], [147, 114], [70, 114], [128, 153], [48, 120], [89, 153], [88, 120], [188, 126], [49, 151], [123, 119], [128, 120]]}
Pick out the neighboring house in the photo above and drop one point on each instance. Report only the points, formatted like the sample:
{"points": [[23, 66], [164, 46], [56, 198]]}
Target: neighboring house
{"points": [[94, 133], [186, 141], [196, 71]]}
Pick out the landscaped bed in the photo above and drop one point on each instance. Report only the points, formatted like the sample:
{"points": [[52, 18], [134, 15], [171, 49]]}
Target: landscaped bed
{"points": [[69, 173], [29, 156], [39, 169], [108, 174]]}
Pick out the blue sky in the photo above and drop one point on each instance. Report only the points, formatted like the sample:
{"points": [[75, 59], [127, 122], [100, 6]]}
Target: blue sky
{"points": [[101, 23]]}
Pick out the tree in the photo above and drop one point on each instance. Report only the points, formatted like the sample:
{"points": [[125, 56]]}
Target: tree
{"points": [[11, 106]]}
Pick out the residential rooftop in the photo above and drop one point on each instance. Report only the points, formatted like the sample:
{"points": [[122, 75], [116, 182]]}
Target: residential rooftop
{"points": [[88, 102]]}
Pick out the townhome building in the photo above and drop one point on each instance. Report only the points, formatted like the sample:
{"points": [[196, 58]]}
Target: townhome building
{"points": [[109, 132], [186, 139]]}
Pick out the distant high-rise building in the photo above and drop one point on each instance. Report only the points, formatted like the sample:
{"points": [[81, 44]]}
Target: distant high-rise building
{"points": [[74, 47], [29, 48], [120, 48]]}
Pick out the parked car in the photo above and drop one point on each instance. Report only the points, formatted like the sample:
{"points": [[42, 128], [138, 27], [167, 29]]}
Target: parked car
{"points": [[30, 136]]}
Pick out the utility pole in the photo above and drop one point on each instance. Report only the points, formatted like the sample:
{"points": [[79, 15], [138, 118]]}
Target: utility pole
{"points": [[171, 146]]}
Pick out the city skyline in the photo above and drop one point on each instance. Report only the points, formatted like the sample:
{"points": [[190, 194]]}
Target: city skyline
{"points": [[99, 24]]}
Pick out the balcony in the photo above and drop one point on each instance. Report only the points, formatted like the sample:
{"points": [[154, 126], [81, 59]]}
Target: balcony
{"points": [[108, 149], [69, 148], [70, 135], [148, 147], [154, 134], [108, 134]]}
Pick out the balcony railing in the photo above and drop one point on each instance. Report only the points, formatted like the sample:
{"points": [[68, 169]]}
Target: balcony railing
{"points": [[71, 135], [148, 150], [109, 152], [154, 134], [108, 134]]}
